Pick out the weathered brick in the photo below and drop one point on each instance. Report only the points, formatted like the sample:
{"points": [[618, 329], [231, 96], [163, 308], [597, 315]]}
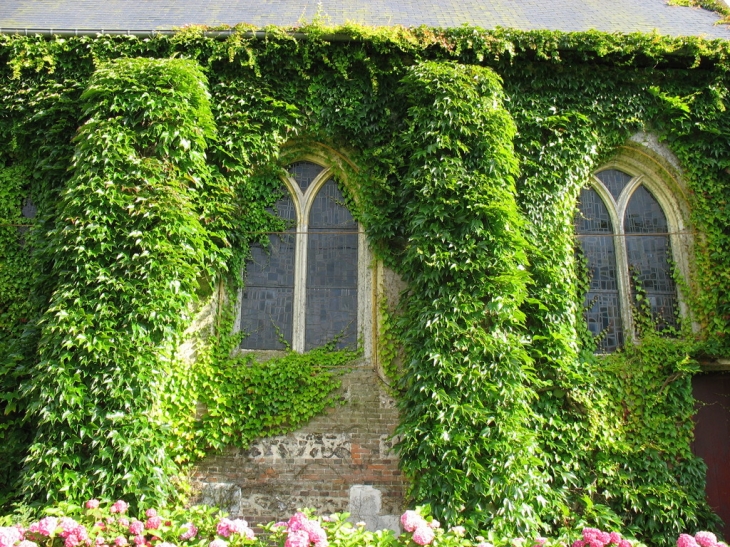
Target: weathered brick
{"points": [[316, 465]]}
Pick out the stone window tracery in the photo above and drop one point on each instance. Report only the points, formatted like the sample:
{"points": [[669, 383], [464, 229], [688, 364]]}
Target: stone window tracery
{"points": [[626, 237], [302, 291]]}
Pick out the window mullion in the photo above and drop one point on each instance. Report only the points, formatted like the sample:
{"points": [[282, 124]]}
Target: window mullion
{"points": [[624, 278], [622, 256], [300, 284]]}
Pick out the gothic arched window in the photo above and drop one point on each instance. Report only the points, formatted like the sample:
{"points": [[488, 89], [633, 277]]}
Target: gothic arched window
{"points": [[625, 237], [302, 291]]}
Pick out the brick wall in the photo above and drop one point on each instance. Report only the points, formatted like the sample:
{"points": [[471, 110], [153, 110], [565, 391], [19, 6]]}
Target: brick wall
{"points": [[315, 466]]}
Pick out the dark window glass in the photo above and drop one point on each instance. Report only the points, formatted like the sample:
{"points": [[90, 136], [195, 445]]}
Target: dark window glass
{"points": [[595, 234], [615, 181], [29, 209], [268, 295], [331, 310], [304, 173], [649, 254]]}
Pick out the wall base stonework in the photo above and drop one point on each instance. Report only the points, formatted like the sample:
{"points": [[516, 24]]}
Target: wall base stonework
{"points": [[317, 465]]}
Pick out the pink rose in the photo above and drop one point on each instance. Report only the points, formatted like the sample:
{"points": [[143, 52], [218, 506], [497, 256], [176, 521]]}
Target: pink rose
{"points": [[706, 539], [297, 538], [153, 523], [120, 506], [423, 535], [411, 520], [685, 540]]}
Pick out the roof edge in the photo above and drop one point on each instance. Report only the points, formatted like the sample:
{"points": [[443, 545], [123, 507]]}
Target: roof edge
{"points": [[166, 32]]}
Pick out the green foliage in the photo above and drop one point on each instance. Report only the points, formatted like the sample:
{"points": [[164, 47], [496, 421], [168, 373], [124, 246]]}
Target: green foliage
{"points": [[388, 351], [465, 413], [468, 149], [128, 247], [645, 469], [274, 397], [710, 5], [16, 311]]}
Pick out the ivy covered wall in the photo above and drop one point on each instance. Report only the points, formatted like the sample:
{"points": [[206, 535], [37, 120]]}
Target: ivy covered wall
{"points": [[153, 161]]}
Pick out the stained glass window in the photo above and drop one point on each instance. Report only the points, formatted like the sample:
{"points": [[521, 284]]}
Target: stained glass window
{"points": [[644, 261], [602, 309], [331, 271], [614, 181], [267, 308], [304, 173], [649, 255], [321, 278]]}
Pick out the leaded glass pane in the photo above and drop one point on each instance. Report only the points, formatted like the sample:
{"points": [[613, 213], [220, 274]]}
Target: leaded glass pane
{"points": [[592, 217], [601, 256], [595, 234], [331, 310], [267, 317], [331, 313], [644, 215], [603, 314], [330, 211], [268, 294], [649, 254], [304, 173], [614, 181]]}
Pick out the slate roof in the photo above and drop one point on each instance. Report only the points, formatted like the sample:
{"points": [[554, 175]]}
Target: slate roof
{"points": [[565, 15]]}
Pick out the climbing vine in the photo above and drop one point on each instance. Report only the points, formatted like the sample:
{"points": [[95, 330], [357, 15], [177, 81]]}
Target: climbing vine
{"points": [[153, 162]]}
